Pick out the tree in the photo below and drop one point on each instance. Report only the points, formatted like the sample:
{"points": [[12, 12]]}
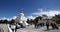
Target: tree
{"points": [[12, 21], [39, 17], [5, 21], [56, 18], [30, 21], [44, 15], [27, 20], [1, 21], [36, 19]]}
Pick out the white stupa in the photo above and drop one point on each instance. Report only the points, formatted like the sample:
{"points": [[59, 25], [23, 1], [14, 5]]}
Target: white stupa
{"points": [[21, 18]]}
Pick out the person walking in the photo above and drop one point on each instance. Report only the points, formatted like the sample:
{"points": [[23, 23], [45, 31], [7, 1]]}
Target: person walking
{"points": [[54, 25], [47, 25], [36, 23], [39, 23]]}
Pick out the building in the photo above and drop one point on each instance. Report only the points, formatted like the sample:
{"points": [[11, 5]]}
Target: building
{"points": [[21, 18]]}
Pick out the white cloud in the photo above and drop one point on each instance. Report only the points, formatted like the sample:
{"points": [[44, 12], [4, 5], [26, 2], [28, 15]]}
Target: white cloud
{"points": [[30, 17], [14, 17], [48, 13], [4, 18], [38, 13]]}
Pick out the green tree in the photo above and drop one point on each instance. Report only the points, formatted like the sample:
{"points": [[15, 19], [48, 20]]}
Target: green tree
{"points": [[27, 20], [39, 17], [56, 18], [1, 21], [44, 15], [12, 21], [5, 21]]}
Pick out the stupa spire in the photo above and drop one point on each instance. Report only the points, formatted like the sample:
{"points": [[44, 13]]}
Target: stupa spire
{"points": [[21, 11], [21, 18]]}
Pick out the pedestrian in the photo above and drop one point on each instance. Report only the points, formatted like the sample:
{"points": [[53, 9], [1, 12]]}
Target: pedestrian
{"points": [[13, 27], [47, 25], [39, 23], [36, 23], [54, 25], [16, 27], [20, 25]]}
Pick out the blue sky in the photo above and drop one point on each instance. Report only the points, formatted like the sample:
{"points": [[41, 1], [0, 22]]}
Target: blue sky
{"points": [[10, 8]]}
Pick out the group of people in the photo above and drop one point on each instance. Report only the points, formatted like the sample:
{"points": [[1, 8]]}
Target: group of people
{"points": [[51, 23], [48, 23], [16, 26], [38, 23]]}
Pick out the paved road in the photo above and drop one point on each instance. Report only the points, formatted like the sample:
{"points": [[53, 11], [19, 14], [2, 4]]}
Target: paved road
{"points": [[32, 29], [4, 27], [29, 29]]}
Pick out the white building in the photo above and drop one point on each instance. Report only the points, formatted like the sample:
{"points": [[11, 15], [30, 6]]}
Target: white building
{"points": [[21, 18]]}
